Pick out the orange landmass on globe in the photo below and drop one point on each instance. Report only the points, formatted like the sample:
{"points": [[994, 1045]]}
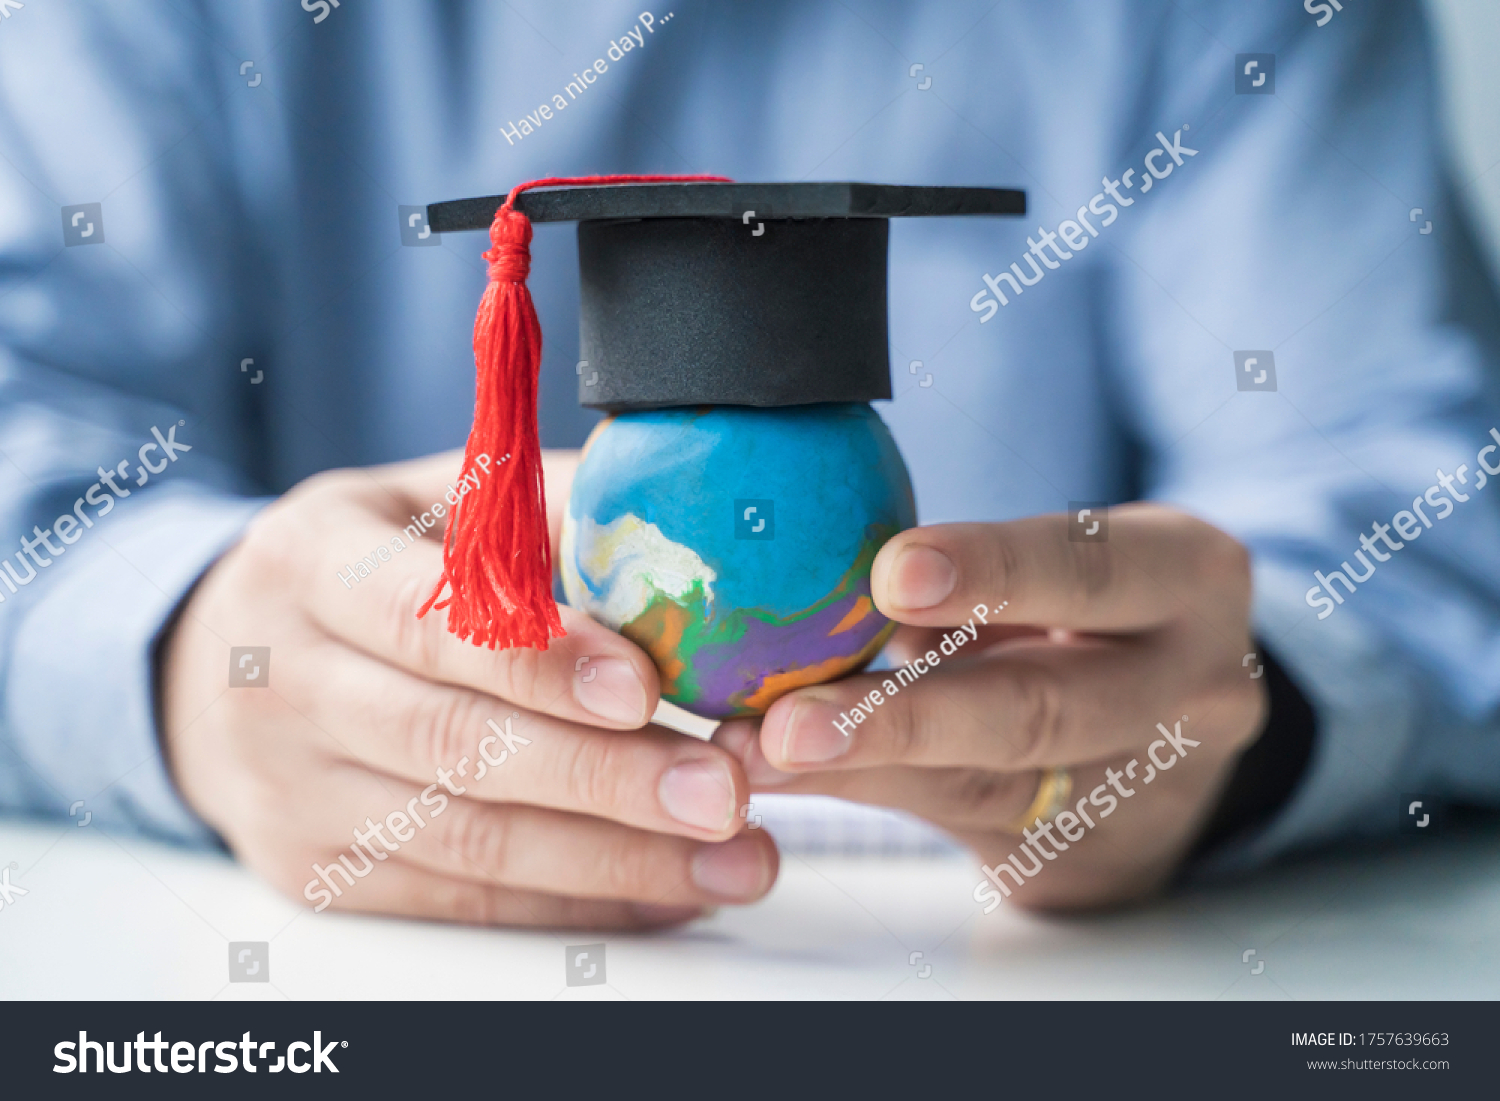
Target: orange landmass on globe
{"points": [[862, 607], [776, 685], [658, 630]]}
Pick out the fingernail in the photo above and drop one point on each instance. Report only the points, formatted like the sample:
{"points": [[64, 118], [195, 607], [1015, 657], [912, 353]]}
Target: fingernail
{"points": [[810, 736], [699, 794], [733, 869], [610, 688], [735, 736], [653, 914], [921, 578], [741, 739], [762, 773]]}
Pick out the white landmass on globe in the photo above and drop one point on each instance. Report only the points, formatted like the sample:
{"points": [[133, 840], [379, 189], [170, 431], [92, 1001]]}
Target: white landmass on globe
{"points": [[614, 570]]}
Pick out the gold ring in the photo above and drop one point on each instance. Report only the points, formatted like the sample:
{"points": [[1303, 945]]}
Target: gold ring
{"points": [[1051, 799]]}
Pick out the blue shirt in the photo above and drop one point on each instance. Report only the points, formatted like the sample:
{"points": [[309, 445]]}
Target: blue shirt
{"points": [[244, 278]]}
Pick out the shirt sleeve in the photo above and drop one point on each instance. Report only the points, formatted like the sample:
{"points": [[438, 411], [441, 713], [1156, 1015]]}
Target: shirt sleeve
{"points": [[117, 352], [1316, 230], [80, 714]]}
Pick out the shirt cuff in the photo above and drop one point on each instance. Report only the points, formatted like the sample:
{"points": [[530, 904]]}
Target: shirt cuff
{"points": [[1271, 768], [80, 691], [1365, 702]]}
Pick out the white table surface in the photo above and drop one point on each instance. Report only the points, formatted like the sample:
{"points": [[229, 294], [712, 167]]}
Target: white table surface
{"points": [[111, 917]]}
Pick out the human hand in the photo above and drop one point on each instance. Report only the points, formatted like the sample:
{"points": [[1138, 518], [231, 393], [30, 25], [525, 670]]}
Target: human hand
{"points": [[573, 812], [1088, 646]]}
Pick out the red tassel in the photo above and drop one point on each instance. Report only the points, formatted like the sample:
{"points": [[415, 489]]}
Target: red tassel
{"points": [[497, 561]]}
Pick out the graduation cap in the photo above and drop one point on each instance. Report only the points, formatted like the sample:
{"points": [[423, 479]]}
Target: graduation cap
{"points": [[695, 291]]}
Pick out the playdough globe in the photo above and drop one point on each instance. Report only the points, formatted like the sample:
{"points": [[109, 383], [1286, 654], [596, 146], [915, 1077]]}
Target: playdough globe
{"points": [[734, 545]]}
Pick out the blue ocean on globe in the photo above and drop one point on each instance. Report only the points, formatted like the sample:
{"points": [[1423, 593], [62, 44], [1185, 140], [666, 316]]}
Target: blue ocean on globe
{"points": [[734, 544]]}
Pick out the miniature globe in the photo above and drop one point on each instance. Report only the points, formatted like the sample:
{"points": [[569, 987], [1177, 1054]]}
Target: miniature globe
{"points": [[734, 545]]}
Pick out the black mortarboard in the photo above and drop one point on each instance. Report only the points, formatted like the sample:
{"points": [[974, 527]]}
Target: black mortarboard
{"points": [[732, 293], [695, 291]]}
